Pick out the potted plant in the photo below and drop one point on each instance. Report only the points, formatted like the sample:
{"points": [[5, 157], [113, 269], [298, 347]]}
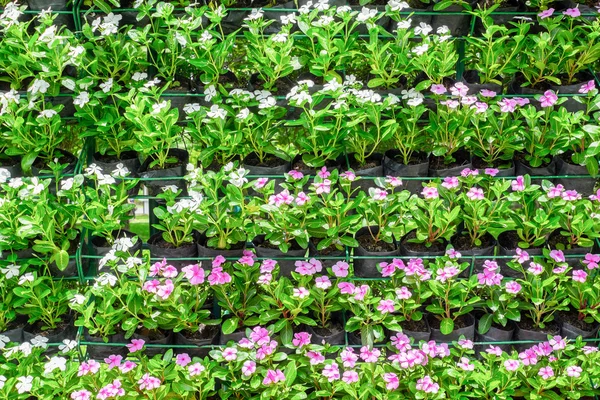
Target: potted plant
{"points": [[10, 325], [581, 318]]}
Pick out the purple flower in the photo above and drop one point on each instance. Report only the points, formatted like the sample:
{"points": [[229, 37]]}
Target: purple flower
{"points": [[587, 87], [546, 13], [572, 12], [548, 99]]}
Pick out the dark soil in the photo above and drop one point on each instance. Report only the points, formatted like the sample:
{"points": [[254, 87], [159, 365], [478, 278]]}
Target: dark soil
{"points": [[73, 245], [556, 238], [270, 161], [281, 86], [421, 247], [40, 162], [235, 246], [160, 242], [112, 158], [509, 240], [370, 162], [572, 318], [99, 241], [437, 163], [368, 243], [506, 328], [6, 161], [463, 242], [205, 332], [258, 3], [331, 330], [414, 326], [214, 166], [527, 324], [499, 164], [152, 334], [36, 328], [460, 322], [416, 159], [19, 322], [371, 4]]}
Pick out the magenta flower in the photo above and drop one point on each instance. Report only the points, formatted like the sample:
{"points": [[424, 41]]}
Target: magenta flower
{"points": [[546, 373], [196, 369], [386, 306], [350, 377], [230, 354], [340, 269], [323, 282], [323, 173], [487, 93], [297, 175], [574, 371], [218, 277], [81, 395], [113, 361], [391, 381], [248, 368], [572, 12], [427, 385], [315, 357], [361, 292], [90, 367], [512, 365], [468, 172], [273, 376], [136, 345], [535, 268], [518, 185], [475, 194], [430, 192], [369, 355], [587, 87], [218, 261], [491, 171], [450, 182], [387, 269], [570, 195], [579, 276], [260, 335], [348, 357], [346, 287], [557, 255], [548, 99], [512, 287], [507, 105], [596, 196], [331, 372], [148, 382], [302, 198], [378, 194], [437, 89], [301, 339], [546, 13], [591, 260]]}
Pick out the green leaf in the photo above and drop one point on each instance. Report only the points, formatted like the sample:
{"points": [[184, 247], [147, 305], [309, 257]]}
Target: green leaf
{"points": [[290, 374], [447, 326], [62, 259], [485, 323], [230, 325]]}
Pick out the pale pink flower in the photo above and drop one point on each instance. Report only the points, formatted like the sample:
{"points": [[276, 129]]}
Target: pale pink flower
{"points": [[148, 382], [465, 344], [169, 271], [346, 288], [459, 89], [387, 269], [512, 287], [487, 93], [393, 181], [386, 306], [340, 269], [437, 89], [322, 187], [587, 87], [427, 385], [378, 194], [323, 173], [218, 277], [475, 194], [218, 261], [348, 357], [127, 366], [521, 101], [350, 377], [348, 175], [492, 171], [591, 260], [302, 198], [579, 276], [315, 357], [574, 371], [391, 381], [572, 12], [230, 354], [90, 367], [300, 292], [430, 192], [196, 369], [546, 373], [557, 343], [571, 195], [480, 107], [369, 355], [331, 372], [81, 395], [521, 256], [113, 361], [512, 365], [546, 13], [248, 368], [183, 359], [446, 273], [360, 292], [507, 105], [528, 357], [297, 175], [557, 255], [535, 268], [518, 185], [465, 364], [401, 342], [403, 293], [556, 191], [260, 183], [194, 274], [469, 172], [273, 376], [260, 335], [494, 350], [548, 99], [267, 266], [136, 345], [450, 182], [323, 282], [301, 339], [451, 104], [453, 254]]}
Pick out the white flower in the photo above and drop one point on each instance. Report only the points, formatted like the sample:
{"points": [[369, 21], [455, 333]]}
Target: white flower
{"points": [[4, 340], [443, 30], [82, 99], [415, 101], [301, 97], [122, 244], [288, 19], [47, 114], [108, 257], [322, 5], [280, 38], [56, 362], [295, 63], [11, 15], [423, 29], [39, 341], [172, 188], [77, 299], [38, 86], [392, 99], [158, 107], [106, 180], [238, 178], [325, 20], [396, 5], [205, 37], [15, 183], [181, 39], [243, 114], [107, 279], [24, 384], [48, 35], [138, 76], [210, 92], [152, 83], [366, 14], [4, 175], [420, 50], [67, 345], [2, 381], [254, 15], [107, 86], [191, 108], [120, 171], [110, 25], [343, 10], [28, 277], [216, 112], [69, 83], [263, 94], [132, 262], [76, 52], [66, 184], [267, 103], [93, 169]]}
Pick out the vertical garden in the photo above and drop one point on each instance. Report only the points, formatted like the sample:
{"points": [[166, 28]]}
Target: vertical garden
{"points": [[343, 199]]}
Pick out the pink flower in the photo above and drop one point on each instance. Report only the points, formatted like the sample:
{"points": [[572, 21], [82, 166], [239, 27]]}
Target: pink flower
{"points": [[546, 13], [465, 364], [443, 274], [323, 282], [451, 104], [555, 191], [548, 99], [518, 185], [560, 269], [401, 342], [127, 366], [331, 372], [487, 93], [273, 376], [218, 277], [248, 368], [574, 371], [248, 258], [369, 356], [571, 195], [475, 194], [437, 89], [260, 183], [301, 339], [507, 105], [151, 286], [453, 254], [489, 278], [587, 87], [183, 359], [315, 357], [348, 357], [492, 171], [546, 373], [459, 89], [572, 12], [148, 382], [427, 385], [528, 357], [591, 260], [218, 261], [196, 369], [361, 292], [391, 381], [81, 395], [521, 101], [535, 268], [301, 292], [557, 343], [468, 172], [557, 255], [322, 187], [512, 365], [348, 175], [346, 288], [579, 276], [350, 377], [164, 291], [90, 367], [113, 361], [267, 266], [521, 256], [387, 270], [378, 194], [302, 198], [136, 345], [260, 335], [393, 181], [157, 267], [494, 350], [465, 344], [323, 173], [403, 293], [340, 269], [230, 354], [194, 274], [264, 279], [595, 196], [512, 287], [430, 192], [386, 306], [297, 175], [480, 107], [450, 182]]}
